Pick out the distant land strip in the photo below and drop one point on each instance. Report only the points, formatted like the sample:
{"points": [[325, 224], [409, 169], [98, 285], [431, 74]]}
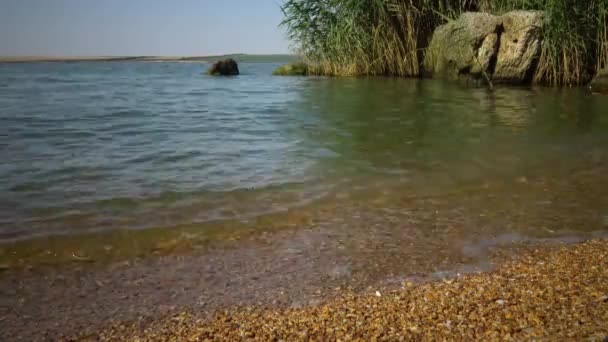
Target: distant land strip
{"points": [[246, 58]]}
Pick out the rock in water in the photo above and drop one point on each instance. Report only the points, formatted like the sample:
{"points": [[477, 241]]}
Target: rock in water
{"points": [[465, 46], [520, 46], [599, 85], [227, 67]]}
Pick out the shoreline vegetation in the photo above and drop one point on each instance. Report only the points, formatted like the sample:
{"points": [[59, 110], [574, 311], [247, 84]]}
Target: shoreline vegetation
{"points": [[391, 37], [555, 294]]}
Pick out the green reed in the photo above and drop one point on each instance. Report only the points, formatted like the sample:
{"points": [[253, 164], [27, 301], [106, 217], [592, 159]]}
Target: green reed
{"points": [[574, 38], [389, 37], [365, 37]]}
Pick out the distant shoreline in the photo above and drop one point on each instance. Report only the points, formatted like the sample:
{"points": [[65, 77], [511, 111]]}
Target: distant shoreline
{"points": [[183, 59], [30, 59]]}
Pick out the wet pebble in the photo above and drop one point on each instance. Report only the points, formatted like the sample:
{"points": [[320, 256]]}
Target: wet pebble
{"points": [[564, 282]]}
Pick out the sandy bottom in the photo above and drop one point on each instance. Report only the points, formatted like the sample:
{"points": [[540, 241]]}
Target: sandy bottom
{"points": [[336, 254]]}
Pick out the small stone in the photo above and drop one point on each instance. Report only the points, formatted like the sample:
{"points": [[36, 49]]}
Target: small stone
{"points": [[500, 302]]}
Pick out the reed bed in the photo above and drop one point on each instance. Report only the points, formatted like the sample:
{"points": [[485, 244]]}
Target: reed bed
{"points": [[389, 37]]}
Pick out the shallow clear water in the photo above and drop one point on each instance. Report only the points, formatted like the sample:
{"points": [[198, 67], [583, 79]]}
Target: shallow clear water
{"points": [[101, 146]]}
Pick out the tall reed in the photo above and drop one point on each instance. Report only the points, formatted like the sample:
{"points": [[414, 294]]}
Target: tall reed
{"points": [[574, 38], [365, 37], [388, 37], [602, 35]]}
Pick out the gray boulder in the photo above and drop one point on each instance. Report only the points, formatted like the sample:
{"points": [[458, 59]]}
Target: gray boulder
{"points": [[520, 46], [498, 48], [465, 46], [227, 67]]}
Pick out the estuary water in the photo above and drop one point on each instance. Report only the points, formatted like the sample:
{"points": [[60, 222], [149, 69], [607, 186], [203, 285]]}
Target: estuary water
{"points": [[131, 145]]}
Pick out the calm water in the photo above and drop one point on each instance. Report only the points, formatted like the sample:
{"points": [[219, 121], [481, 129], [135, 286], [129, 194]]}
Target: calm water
{"points": [[100, 146]]}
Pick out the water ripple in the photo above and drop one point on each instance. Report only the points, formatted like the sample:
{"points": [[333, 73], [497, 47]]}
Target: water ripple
{"points": [[93, 146]]}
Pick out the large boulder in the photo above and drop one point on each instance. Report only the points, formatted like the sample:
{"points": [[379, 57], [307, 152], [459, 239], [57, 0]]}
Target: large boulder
{"points": [[465, 46], [520, 46], [227, 67], [498, 48], [599, 85]]}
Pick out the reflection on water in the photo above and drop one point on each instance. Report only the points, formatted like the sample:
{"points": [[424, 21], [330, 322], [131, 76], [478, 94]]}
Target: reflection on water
{"points": [[93, 146]]}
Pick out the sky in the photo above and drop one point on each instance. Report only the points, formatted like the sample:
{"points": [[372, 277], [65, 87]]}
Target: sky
{"points": [[140, 27]]}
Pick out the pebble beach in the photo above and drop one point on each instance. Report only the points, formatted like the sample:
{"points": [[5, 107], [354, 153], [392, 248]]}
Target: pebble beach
{"points": [[555, 294]]}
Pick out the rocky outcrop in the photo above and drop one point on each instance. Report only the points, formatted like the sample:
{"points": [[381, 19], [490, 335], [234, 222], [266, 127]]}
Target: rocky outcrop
{"points": [[599, 85], [227, 67], [520, 45], [481, 45], [465, 46]]}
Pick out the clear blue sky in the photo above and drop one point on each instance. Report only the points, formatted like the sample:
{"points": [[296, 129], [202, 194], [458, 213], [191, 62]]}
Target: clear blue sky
{"points": [[140, 27]]}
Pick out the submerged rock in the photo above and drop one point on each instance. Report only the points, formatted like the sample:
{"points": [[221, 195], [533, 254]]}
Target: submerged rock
{"points": [[227, 67], [520, 45], [599, 85], [481, 45]]}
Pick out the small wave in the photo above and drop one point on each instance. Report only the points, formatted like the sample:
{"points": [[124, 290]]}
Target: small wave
{"points": [[117, 127], [257, 92], [72, 173], [142, 158], [180, 156], [119, 202], [56, 80], [197, 93], [66, 133], [29, 186], [14, 234], [481, 247], [127, 113]]}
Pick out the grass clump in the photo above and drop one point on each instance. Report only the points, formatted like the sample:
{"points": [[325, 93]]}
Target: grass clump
{"points": [[389, 37], [292, 69]]}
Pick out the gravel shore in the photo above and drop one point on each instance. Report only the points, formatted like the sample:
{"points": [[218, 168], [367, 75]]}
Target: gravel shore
{"points": [[559, 294]]}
